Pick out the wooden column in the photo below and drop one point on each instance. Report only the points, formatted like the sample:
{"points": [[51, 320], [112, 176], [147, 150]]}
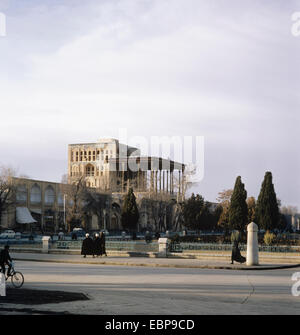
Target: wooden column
{"points": [[179, 182], [160, 181], [167, 181], [123, 177]]}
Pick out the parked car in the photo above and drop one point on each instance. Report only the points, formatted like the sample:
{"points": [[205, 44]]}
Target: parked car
{"points": [[18, 235], [8, 234], [79, 232]]}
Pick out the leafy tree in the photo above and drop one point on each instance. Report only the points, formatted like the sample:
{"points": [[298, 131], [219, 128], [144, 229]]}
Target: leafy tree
{"points": [[209, 217], [198, 214], [282, 223], [223, 209], [251, 203], [224, 196], [130, 212], [192, 209], [267, 211], [238, 210]]}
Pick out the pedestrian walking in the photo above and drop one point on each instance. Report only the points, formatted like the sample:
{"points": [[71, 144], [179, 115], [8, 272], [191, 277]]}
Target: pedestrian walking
{"points": [[97, 245], [102, 238], [236, 254], [87, 247]]}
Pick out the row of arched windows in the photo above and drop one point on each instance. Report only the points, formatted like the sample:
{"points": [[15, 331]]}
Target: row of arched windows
{"points": [[90, 155], [36, 194], [89, 171]]}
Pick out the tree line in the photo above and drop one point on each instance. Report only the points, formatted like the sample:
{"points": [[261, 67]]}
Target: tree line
{"points": [[235, 211]]}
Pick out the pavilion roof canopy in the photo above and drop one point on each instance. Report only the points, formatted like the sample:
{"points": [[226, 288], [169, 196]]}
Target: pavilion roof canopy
{"points": [[146, 163]]}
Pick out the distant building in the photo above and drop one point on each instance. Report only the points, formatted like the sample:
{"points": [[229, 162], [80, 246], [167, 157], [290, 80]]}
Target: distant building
{"points": [[39, 205], [293, 222], [111, 166]]}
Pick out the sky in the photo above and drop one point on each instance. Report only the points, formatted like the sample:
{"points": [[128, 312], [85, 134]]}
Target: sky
{"points": [[76, 71]]}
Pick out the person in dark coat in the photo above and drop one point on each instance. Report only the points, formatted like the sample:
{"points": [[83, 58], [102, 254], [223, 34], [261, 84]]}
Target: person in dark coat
{"points": [[97, 245], [87, 247], [5, 259], [236, 254], [102, 238]]}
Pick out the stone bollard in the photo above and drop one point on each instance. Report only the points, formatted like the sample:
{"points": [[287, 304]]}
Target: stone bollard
{"points": [[2, 285], [46, 240], [252, 244], [163, 244]]}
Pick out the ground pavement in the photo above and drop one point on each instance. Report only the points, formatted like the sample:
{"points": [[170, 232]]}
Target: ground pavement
{"points": [[163, 286]]}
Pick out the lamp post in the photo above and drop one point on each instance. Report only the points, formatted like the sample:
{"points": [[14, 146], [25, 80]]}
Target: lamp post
{"points": [[65, 211]]}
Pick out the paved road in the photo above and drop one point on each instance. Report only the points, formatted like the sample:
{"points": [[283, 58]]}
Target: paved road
{"points": [[118, 290]]}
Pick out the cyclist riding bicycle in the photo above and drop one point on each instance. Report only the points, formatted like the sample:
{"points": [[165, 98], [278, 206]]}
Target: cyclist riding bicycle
{"points": [[5, 259]]}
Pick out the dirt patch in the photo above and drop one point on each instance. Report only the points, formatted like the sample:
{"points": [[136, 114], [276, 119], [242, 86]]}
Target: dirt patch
{"points": [[39, 297]]}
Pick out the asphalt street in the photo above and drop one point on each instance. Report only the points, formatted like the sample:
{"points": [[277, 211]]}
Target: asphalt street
{"points": [[115, 290]]}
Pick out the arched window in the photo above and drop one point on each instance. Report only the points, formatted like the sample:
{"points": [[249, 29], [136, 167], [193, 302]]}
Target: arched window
{"points": [[75, 170], [49, 195], [90, 170], [35, 194], [21, 193]]}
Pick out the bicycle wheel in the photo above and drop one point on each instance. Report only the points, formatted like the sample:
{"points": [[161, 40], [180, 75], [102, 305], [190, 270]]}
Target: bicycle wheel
{"points": [[17, 279]]}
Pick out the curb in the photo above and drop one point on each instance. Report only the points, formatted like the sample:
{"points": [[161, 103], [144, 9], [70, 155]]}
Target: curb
{"points": [[183, 266]]}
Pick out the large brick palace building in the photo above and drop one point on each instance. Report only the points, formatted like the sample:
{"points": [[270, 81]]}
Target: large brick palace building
{"points": [[111, 168]]}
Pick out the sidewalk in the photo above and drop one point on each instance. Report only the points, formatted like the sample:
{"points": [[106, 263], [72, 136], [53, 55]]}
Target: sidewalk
{"points": [[205, 263]]}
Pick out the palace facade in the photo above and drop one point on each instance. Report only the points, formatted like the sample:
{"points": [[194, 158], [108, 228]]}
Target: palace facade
{"points": [[109, 168]]}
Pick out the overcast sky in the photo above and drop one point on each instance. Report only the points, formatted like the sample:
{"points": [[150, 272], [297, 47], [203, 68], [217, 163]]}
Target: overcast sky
{"points": [[75, 71]]}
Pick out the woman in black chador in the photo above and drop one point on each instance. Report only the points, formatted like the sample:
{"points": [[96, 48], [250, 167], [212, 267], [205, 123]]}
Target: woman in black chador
{"points": [[236, 254], [87, 247], [102, 238], [97, 246]]}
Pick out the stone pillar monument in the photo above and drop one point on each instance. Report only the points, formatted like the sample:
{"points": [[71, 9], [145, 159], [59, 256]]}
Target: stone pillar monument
{"points": [[163, 244], [45, 240], [252, 244]]}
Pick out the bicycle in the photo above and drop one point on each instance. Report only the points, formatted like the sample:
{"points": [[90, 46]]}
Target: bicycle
{"points": [[16, 277]]}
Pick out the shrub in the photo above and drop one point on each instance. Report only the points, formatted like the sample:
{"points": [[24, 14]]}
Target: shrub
{"points": [[235, 236], [269, 238]]}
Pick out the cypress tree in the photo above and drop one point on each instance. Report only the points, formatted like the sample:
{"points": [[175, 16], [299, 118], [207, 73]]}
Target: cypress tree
{"points": [[130, 212], [192, 210], [267, 211], [238, 210]]}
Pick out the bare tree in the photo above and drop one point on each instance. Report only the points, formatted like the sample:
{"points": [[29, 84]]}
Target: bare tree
{"points": [[289, 210], [95, 202], [75, 194], [7, 189]]}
